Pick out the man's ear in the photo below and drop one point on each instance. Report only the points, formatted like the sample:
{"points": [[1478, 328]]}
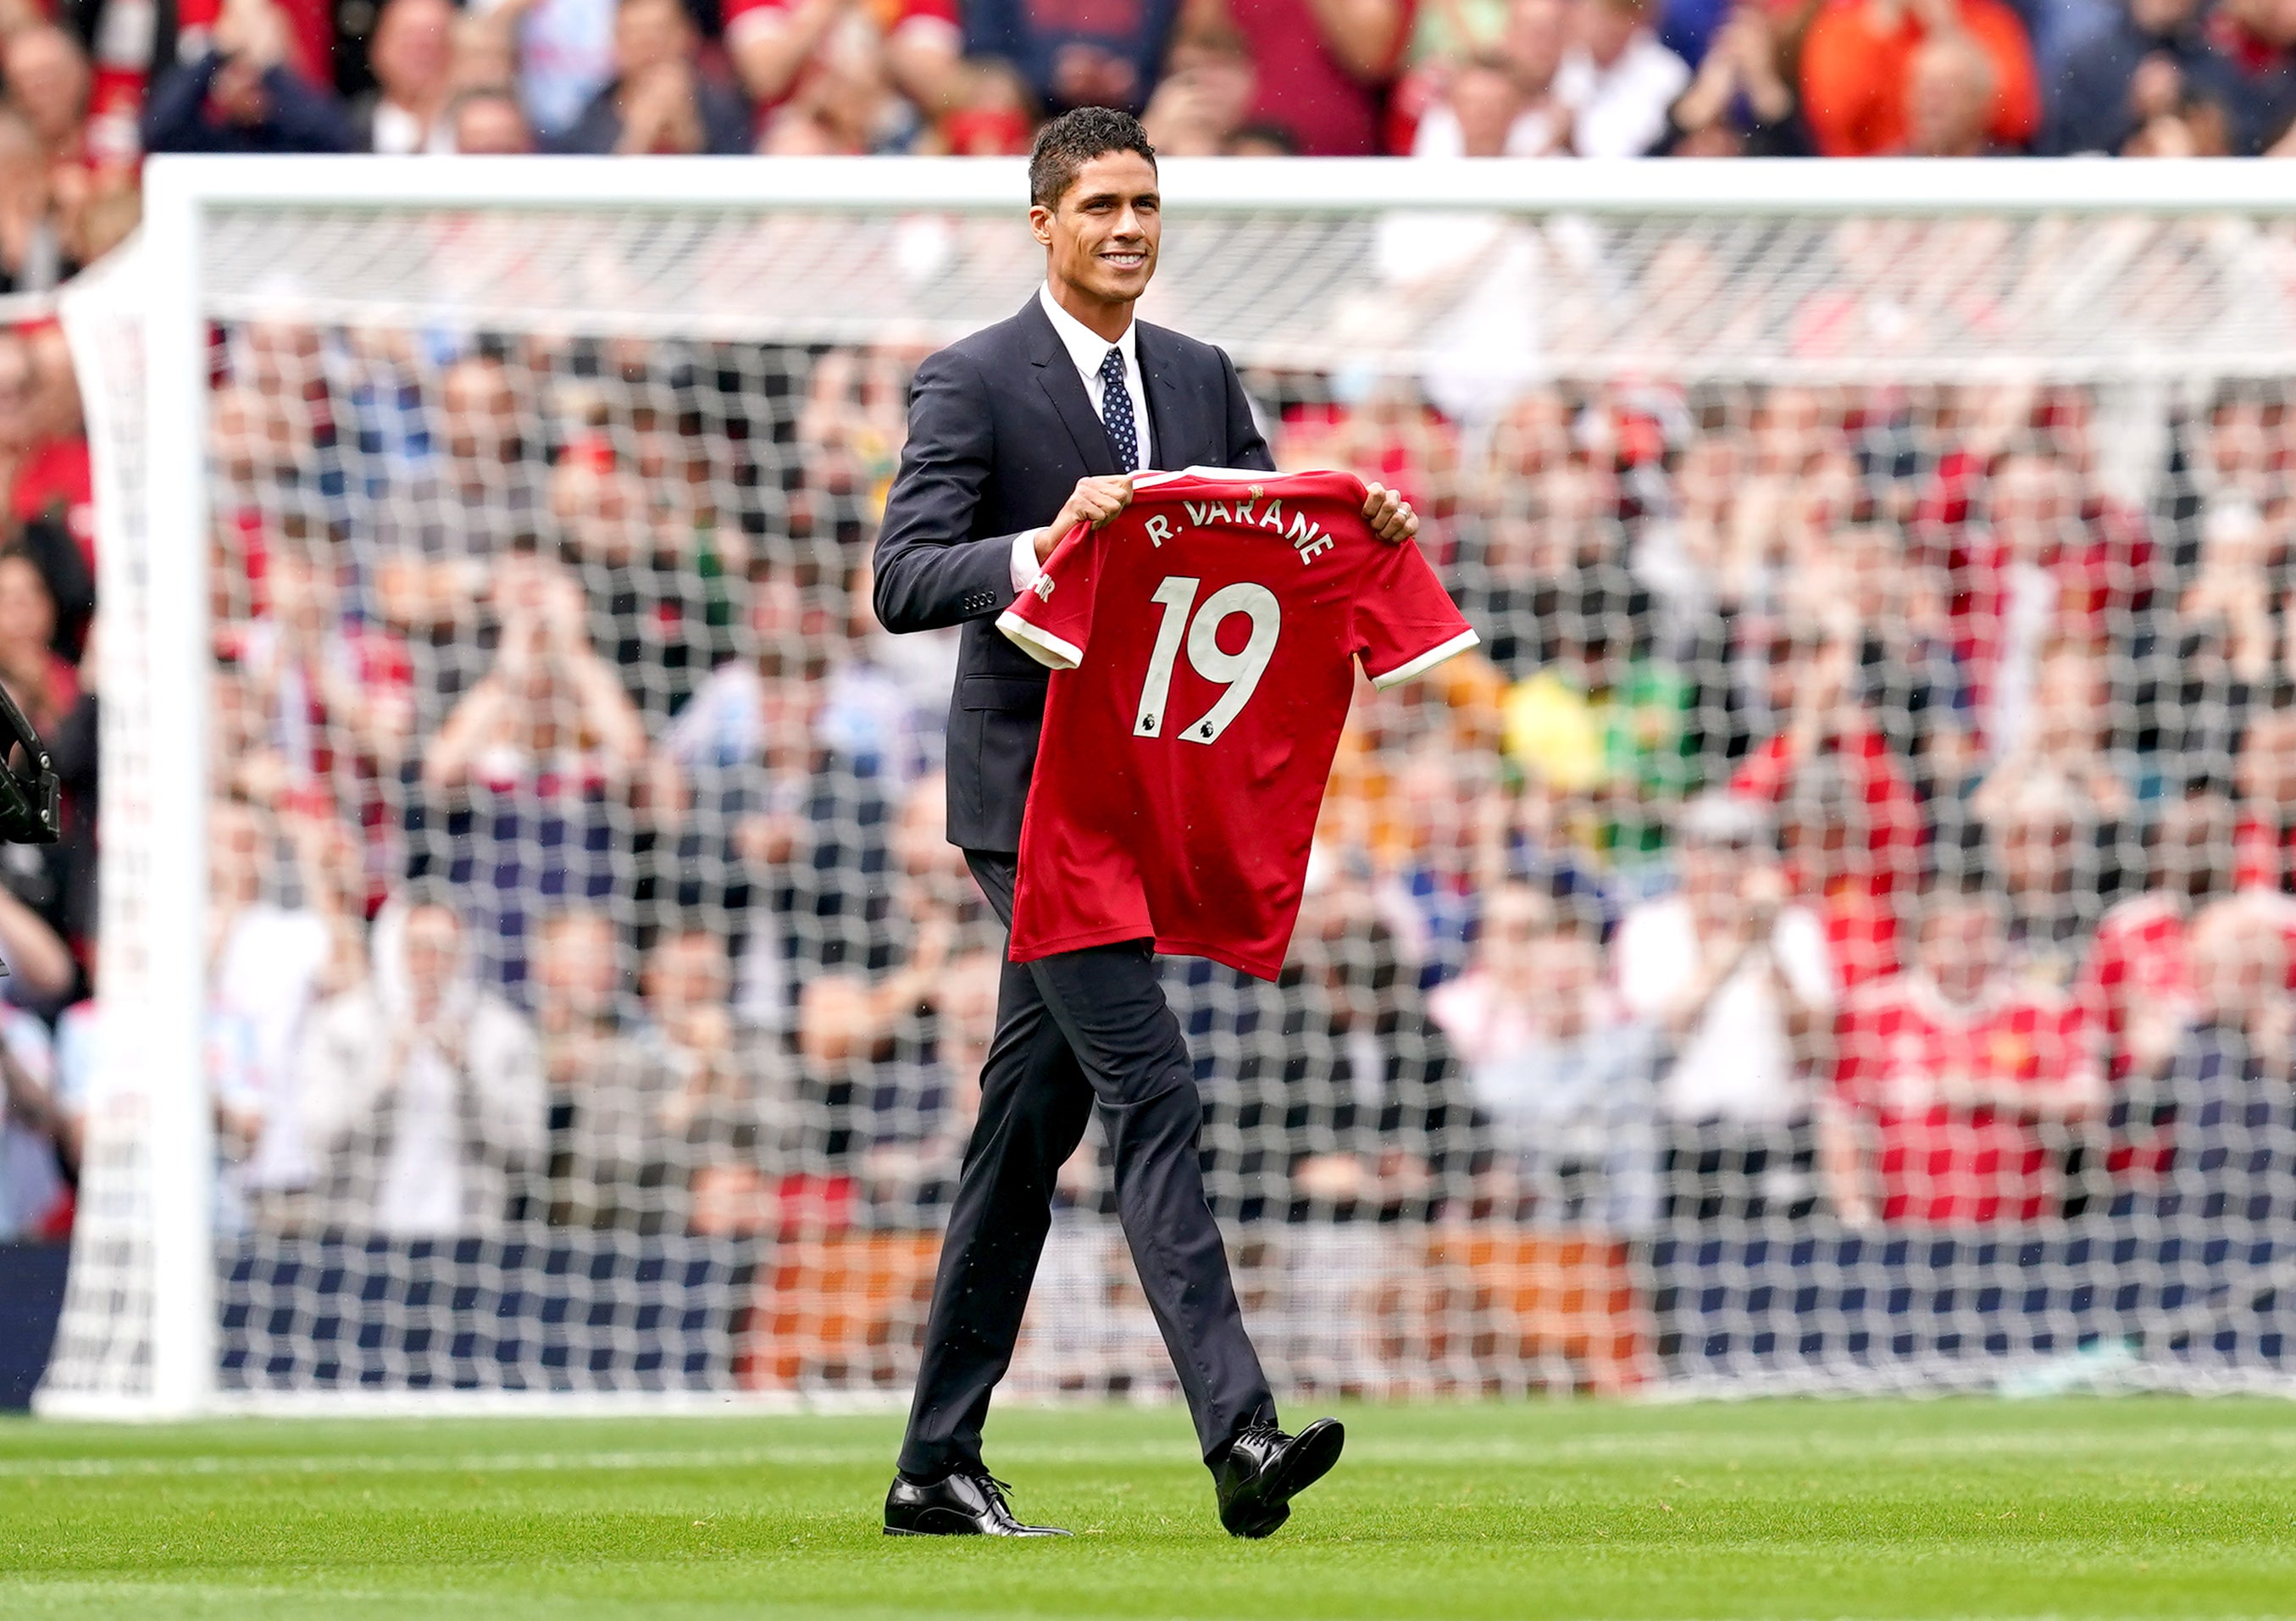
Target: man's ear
{"points": [[1040, 221]]}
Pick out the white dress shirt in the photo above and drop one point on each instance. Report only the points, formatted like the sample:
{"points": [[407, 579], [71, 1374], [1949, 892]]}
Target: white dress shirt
{"points": [[1088, 349]]}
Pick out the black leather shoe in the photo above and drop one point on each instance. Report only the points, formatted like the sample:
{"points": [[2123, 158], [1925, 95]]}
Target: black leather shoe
{"points": [[959, 1505], [1265, 1469]]}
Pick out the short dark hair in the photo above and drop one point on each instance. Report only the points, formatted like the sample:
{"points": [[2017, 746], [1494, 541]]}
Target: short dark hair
{"points": [[1074, 139]]}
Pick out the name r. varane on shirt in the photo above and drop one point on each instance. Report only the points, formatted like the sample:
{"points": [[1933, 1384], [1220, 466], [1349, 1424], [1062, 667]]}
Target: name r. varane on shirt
{"points": [[1306, 536]]}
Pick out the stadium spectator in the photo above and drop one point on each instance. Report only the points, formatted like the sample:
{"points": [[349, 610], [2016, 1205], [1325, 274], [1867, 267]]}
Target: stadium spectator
{"points": [[661, 99], [412, 55], [732, 1107], [1741, 103], [777, 44], [582, 1010], [923, 1100], [644, 1113], [634, 560], [2264, 838], [526, 768], [422, 1094], [1484, 103], [2149, 55], [1813, 688], [993, 114], [1616, 81], [2034, 574], [36, 1200], [563, 51], [2051, 844], [2232, 619], [847, 1019], [1956, 1083], [884, 713], [1830, 863], [488, 123], [1857, 71], [44, 458], [48, 82], [2065, 736], [1602, 715], [1949, 97], [1737, 979], [43, 682], [336, 697], [242, 97], [2258, 38], [2229, 1099], [1519, 65], [1907, 682], [734, 716], [426, 548], [1566, 1078], [1373, 1120], [34, 251], [1071, 56], [41, 973], [276, 950], [1201, 102], [1453, 831], [1321, 69], [2136, 989]]}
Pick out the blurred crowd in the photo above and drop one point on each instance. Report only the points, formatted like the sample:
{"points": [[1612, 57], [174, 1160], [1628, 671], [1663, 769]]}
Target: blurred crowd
{"points": [[92, 87], [1869, 805]]}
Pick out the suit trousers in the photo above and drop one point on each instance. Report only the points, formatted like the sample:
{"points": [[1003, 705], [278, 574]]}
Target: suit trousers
{"points": [[1075, 1031]]}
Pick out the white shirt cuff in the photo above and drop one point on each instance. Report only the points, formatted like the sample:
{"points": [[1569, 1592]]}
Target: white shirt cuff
{"points": [[1025, 567]]}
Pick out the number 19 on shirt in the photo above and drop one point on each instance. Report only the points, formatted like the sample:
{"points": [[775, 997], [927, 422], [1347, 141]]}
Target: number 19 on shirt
{"points": [[1239, 672]]}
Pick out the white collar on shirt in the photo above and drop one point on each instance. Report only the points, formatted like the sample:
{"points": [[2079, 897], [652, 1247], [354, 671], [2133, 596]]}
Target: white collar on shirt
{"points": [[1087, 347]]}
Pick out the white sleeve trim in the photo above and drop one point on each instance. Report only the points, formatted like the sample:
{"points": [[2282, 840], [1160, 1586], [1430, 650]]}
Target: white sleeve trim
{"points": [[1427, 661], [1038, 643], [1025, 567]]}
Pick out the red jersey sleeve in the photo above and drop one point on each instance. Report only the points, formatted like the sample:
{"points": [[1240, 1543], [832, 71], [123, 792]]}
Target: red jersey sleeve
{"points": [[1405, 623], [1052, 621]]}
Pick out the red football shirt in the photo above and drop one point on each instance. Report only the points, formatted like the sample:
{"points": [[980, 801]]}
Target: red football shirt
{"points": [[1943, 1161], [1208, 635]]}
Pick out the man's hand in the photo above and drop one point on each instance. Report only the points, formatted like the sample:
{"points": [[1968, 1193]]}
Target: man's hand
{"points": [[1390, 515], [1093, 501]]}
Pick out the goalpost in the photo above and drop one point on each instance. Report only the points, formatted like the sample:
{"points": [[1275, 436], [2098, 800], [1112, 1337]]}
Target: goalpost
{"points": [[492, 431]]}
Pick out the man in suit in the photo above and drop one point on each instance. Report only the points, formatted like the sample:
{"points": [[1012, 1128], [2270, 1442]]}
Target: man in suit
{"points": [[1017, 434]]}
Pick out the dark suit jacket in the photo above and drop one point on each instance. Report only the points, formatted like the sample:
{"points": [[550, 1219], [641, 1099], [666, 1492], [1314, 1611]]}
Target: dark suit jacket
{"points": [[1000, 431]]}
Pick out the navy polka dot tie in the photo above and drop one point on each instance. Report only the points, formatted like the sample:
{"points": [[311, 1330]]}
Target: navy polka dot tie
{"points": [[1116, 413]]}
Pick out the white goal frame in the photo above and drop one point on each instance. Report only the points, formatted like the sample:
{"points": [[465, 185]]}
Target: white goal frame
{"points": [[158, 1040]]}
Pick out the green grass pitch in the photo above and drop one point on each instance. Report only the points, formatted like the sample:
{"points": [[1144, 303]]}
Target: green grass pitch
{"points": [[2065, 1508]]}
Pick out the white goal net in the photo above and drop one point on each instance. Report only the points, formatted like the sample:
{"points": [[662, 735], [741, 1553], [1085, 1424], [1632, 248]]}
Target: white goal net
{"points": [[1839, 931]]}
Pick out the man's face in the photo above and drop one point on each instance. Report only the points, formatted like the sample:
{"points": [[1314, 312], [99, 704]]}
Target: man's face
{"points": [[575, 965], [414, 49], [235, 853], [1509, 939], [2192, 846], [27, 613], [1961, 947], [481, 413], [1712, 872], [1485, 102], [1104, 233], [434, 937], [2267, 766], [1568, 967], [687, 972]]}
